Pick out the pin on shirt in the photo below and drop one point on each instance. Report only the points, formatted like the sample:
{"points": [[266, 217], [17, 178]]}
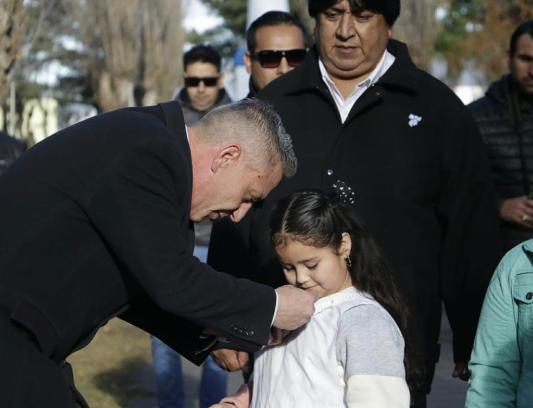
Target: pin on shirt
{"points": [[414, 120]]}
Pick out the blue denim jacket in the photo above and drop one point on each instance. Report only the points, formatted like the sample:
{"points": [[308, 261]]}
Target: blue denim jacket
{"points": [[502, 358]]}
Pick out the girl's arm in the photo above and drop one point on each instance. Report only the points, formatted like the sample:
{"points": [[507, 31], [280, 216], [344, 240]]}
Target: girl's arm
{"points": [[370, 351], [241, 399]]}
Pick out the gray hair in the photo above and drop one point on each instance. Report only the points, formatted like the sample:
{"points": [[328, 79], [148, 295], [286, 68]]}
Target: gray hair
{"points": [[254, 125]]}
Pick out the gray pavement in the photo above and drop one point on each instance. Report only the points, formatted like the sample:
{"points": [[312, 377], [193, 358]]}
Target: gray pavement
{"points": [[447, 392]]}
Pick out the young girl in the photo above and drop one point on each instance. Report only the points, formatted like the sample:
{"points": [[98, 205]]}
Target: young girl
{"points": [[351, 353]]}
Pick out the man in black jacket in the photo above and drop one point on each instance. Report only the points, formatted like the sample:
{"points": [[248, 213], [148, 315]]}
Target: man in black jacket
{"points": [[276, 43], [99, 223], [359, 110], [505, 119]]}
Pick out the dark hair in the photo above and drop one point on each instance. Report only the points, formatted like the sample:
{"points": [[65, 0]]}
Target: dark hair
{"points": [[272, 18], [524, 28], [315, 218], [202, 53], [390, 9]]}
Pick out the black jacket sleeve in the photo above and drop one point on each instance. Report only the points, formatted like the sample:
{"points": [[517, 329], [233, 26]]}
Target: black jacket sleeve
{"points": [[471, 245]]}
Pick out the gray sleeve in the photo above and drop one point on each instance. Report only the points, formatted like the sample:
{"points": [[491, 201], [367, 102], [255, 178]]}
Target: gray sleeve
{"points": [[369, 342]]}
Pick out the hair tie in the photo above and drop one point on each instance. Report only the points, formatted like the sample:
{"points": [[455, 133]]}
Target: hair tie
{"points": [[344, 193]]}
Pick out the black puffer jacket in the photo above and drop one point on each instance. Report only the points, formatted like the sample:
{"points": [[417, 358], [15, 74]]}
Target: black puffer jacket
{"points": [[493, 117], [10, 149]]}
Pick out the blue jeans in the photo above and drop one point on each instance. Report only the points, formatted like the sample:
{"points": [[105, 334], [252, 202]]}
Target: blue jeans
{"points": [[169, 375], [169, 378]]}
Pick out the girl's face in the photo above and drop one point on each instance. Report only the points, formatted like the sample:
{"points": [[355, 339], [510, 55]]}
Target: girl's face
{"points": [[321, 270]]}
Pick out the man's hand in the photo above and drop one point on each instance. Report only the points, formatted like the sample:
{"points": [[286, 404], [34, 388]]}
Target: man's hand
{"points": [[295, 307], [461, 370], [231, 360], [518, 210]]}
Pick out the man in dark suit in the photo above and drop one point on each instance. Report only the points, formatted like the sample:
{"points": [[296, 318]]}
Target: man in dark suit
{"points": [[98, 225]]}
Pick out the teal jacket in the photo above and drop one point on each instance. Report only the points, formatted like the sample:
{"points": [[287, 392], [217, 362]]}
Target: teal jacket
{"points": [[502, 358]]}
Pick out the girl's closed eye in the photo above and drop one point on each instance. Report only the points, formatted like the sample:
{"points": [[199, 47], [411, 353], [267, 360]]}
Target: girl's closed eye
{"points": [[288, 268]]}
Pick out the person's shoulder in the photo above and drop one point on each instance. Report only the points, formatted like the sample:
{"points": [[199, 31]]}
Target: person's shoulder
{"points": [[480, 104], [277, 88], [441, 93], [516, 260]]}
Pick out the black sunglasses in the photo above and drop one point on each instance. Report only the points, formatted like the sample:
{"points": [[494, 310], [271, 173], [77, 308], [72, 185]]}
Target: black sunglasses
{"points": [[272, 59], [195, 81]]}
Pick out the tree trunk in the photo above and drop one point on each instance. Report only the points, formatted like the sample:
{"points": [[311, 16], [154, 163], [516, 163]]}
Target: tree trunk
{"points": [[11, 26]]}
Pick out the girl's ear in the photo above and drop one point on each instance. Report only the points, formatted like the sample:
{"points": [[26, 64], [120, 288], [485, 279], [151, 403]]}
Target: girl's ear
{"points": [[346, 245]]}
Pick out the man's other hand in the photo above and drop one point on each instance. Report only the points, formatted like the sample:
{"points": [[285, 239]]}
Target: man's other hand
{"points": [[518, 210], [231, 360], [295, 307], [461, 370]]}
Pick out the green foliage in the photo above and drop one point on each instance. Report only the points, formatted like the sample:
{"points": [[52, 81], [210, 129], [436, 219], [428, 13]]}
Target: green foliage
{"points": [[476, 32], [462, 16]]}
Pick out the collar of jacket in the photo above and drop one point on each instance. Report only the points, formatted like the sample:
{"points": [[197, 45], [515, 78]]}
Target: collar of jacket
{"points": [[527, 247], [499, 89], [175, 122], [401, 75], [253, 90]]}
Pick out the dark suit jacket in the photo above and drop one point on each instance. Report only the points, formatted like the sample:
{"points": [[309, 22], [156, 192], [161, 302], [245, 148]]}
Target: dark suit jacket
{"points": [[96, 224]]}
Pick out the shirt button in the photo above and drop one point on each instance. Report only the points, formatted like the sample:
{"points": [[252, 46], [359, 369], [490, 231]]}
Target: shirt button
{"points": [[529, 296], [330, 172]]}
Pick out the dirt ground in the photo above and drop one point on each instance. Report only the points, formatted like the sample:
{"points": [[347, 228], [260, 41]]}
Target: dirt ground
{"points": [[106, 371]]}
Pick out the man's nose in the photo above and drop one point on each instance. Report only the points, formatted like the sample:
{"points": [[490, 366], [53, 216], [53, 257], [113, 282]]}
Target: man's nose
{"points": [[346, 28], [283, 66], [201, 86], [240, 212]]}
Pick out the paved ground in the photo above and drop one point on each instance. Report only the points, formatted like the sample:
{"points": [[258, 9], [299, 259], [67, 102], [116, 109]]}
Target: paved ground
{"points": [[447, 391]]}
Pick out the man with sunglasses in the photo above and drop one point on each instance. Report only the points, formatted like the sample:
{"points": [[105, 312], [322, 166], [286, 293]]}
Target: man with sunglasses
{"points": [[276, 44], [360, 111], [203, 83]]}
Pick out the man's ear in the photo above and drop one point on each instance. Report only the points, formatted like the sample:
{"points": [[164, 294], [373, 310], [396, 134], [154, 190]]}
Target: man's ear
{"points": [[226, 156], [220, 82], [248, 62]]}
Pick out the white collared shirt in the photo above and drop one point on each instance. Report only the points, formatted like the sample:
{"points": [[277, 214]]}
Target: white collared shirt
{"points": [[344, 106]]}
